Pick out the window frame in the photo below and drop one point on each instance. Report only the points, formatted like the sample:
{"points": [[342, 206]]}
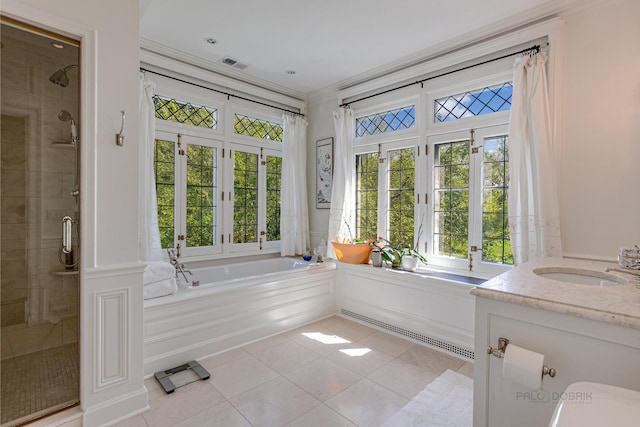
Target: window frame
{"points": [[169, 131], [424, 134], [475, 199], [383, 182], [257, 246], [225, 141], [247, 143]]}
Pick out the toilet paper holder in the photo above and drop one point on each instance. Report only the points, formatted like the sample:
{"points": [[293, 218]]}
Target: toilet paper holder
{"points": [[502, 347]]}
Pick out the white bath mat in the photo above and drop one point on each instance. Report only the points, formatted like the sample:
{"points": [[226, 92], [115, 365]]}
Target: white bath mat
{"points": [[447, 401]]}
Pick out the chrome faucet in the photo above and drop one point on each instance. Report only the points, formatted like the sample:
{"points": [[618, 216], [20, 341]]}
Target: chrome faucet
{"points": [[620, 270], [180, 268]]}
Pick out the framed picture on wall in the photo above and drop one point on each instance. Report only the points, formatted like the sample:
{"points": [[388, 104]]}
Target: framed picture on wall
{"points": [[324, 172]]}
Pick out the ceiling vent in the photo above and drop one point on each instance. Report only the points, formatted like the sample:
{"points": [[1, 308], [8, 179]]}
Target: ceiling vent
{"points": [[233, 63]]}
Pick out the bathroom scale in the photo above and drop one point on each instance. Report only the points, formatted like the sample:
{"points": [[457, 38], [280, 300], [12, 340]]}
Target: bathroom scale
{"points": [[180, 376]]}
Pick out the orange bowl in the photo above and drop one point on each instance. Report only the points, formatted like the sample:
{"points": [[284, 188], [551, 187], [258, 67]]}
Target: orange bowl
{"points": [[352, 253]]}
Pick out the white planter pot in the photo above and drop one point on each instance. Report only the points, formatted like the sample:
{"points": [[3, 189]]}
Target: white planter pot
{"points": [[410, 263]]}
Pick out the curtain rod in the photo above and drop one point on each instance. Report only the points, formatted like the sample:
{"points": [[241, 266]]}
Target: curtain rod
{"points": [[532, 50], [229, 95]]}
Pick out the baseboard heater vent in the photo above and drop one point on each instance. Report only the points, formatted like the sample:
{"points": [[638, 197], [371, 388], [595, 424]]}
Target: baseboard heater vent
{"points": [[434, 342]]}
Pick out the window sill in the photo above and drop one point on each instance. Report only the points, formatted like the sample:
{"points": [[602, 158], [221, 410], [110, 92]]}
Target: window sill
{"points": [[458, 276], [208, 260]]}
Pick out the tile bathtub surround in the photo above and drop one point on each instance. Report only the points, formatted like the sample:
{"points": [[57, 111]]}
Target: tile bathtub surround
{"points": [[334, 372]]}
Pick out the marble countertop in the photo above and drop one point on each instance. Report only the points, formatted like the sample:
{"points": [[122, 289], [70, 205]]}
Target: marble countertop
{"points": [[619, 305]]}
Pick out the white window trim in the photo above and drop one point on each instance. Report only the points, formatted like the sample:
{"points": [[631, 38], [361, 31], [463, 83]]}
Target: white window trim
{"points": [[383, 185], [225, 139], [169, 132], [253, 247], [434, 128], [181, 92], [475, 200]]}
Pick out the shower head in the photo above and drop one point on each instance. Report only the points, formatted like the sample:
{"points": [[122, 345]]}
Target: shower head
{"points": [[60, 77], [65, 116]]}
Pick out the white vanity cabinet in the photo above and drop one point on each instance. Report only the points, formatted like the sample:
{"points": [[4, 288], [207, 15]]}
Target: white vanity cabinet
{"points": [[575, 344]]}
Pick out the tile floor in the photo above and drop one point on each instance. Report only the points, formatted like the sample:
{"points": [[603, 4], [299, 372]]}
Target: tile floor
{"points": [[38, 383], [334, 372]]}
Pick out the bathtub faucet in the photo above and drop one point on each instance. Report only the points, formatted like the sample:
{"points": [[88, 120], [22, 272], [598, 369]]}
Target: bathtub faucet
{"points": [[180, 268]]}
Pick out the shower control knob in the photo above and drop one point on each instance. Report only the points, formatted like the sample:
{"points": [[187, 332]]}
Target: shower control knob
{"points": [[75, 193]]}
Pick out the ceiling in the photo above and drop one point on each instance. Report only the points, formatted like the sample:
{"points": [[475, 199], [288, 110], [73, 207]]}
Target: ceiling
{"points": [[328, 43]]}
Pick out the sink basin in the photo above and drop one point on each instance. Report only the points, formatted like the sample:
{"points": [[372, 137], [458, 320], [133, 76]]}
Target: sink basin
{"points": [[580, 276]]}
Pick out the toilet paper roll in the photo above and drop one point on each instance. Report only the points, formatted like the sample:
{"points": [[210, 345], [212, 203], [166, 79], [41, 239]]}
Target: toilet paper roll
{"points": [[523, 366]]}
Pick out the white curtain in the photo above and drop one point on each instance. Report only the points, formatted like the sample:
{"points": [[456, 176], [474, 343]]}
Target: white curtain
{"points": [[534, 221], [294, 209], [342, 214], [149, 234]]}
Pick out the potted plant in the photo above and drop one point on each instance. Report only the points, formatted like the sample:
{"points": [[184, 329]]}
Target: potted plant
{"points": [[397, 256], [351, 251]]}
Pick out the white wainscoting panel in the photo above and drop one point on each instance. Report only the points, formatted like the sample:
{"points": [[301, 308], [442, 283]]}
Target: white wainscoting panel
{"points": [[112, 336], [212, 321], [437, 312]]}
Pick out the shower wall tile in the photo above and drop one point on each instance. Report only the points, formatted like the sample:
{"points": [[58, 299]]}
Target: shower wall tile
{"points": [[70, 285], [13, 210], [10, 242], [42, 261], [14, 160], [14, 74], [13, 156], [53, 159], [5, 347], [68, 183], [14, 48], [35, 338], [53, 209], [52, 234], [10, 255], [14, 291], [30, 106], [70, 330], [47, 184], [54, 131], [13, 183], [15, 269], [12, 314]]}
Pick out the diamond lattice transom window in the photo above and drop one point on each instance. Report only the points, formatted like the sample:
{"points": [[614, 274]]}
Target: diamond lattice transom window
{"points": [[474, 103], [185, 112], [245, 125], [388, 121]]}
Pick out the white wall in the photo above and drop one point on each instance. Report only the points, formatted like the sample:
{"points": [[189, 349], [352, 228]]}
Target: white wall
{"points": [[110, 275], [600, 165], [599, 159], [320, 112]]}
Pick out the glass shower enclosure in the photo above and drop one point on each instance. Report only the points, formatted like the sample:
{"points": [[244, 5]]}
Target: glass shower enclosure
{"points": [[39, 300]]}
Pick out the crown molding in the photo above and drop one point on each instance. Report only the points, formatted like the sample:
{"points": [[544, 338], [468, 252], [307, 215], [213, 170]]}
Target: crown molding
{"points": [[405, 67], [217, 68], [224, 82]]}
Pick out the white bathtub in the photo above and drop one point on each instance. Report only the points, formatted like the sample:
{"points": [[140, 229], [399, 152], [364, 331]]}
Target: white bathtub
{"points": [[242, 272], [233, 305]]}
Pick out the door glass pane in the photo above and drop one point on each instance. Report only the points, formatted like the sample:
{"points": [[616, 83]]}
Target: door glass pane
{"points": [[40, 190], [401, 178], [245, 201], [451, 199], [165, 169], [496, 246], [274, 170], [201, 191], [367, 196]]}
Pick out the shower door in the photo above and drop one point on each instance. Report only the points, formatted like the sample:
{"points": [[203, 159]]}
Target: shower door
{"points": [[39, 188]]}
